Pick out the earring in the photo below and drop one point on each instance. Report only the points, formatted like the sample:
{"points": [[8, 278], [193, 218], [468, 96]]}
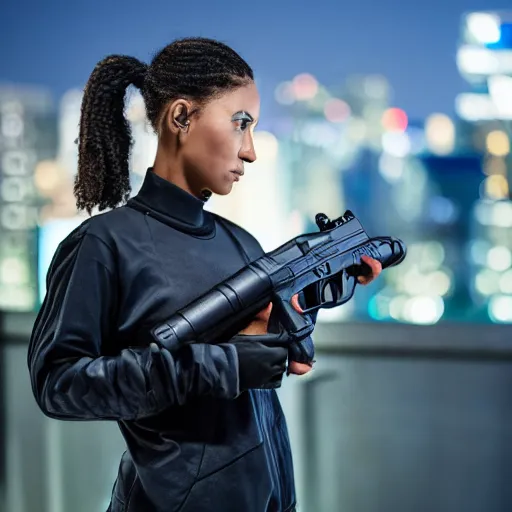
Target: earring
{"points": [[206, 194], [181, 121]]}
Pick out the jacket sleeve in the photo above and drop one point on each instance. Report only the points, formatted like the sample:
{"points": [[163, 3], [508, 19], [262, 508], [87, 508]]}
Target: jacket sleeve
{"points": [[71, 376]]}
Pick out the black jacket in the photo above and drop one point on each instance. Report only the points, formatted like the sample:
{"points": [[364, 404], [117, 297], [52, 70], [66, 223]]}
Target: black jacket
{"points": [[194, 441]]}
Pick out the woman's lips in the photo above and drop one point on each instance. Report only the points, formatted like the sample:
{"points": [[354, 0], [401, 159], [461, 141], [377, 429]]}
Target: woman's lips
{"points": [[237, 174]]}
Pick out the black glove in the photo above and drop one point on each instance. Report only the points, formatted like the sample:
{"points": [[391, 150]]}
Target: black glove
{"points": [[261, 359]]}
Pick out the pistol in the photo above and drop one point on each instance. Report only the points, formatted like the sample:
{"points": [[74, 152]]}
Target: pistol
{"points": [[323, 266]]}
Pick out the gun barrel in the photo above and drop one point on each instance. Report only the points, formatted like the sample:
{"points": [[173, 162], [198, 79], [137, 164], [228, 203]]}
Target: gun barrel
{"points": [[229, 306], [392, 251]]}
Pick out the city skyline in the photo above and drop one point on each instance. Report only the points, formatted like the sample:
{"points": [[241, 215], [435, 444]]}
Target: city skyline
{"points": [[414, 47]]}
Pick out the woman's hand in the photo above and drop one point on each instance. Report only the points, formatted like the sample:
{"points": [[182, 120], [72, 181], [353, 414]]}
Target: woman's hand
{"points": [[259, 326], [375, 270]]}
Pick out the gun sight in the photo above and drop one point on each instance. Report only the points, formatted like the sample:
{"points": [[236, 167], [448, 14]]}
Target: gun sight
{"points": [[325, 224]]}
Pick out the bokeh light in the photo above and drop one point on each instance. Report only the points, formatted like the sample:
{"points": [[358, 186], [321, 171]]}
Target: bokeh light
{"points": [[396, 144], [284, 93], [305, 86], [497, 142], [440, 134], [266, 145], [484, 27], [336, 110], [48, 177], [394, 119], [500, 308], [496, 187]]}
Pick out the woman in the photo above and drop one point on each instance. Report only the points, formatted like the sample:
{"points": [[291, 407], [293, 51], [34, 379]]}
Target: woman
{"points": [[203, 426]]}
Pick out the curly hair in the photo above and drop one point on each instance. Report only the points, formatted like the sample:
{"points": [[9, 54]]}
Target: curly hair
{"points": [[196, 69]]}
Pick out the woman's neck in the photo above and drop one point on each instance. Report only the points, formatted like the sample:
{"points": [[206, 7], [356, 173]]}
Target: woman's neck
{"points": [[169, 168]]}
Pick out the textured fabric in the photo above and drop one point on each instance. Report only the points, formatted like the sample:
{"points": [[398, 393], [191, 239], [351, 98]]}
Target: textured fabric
{"points": [[261, 360], [195, 441]]}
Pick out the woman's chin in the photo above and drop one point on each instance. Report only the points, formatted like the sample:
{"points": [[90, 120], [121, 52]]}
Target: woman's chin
{"points": [[223, 190]]}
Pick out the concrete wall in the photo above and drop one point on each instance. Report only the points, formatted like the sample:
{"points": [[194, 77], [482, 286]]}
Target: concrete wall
{"points": [[393, 418]]}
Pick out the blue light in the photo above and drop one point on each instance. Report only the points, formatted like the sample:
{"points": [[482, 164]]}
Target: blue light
{"points": [[442, 210], [505, 40]]}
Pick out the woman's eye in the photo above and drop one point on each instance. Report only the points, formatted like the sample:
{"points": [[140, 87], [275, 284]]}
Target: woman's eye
{"points": [[243, 124], [242, 121]]}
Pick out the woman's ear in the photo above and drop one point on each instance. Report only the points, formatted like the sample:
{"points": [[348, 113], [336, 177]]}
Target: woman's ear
{"points": [[177, 118]]}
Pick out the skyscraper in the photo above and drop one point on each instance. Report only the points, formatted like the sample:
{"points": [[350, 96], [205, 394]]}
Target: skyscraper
{"points": [[27, 136], [484, 59]]}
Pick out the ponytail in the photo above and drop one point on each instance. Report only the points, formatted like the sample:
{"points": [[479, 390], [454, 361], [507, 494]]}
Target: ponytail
{"points": [[105, 138]]}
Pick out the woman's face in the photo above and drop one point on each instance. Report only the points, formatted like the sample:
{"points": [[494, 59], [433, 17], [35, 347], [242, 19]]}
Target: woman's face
{"points": [[219, 141]]}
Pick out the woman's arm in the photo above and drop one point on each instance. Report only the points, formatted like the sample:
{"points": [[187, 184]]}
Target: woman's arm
{"points": [[71, 379]]}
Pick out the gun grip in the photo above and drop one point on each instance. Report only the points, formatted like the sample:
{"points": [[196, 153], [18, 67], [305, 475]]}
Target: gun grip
{"points": [[284, 315]]}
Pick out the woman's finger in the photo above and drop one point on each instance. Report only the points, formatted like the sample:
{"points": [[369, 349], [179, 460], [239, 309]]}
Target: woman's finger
{"points": [[375, 270], [296, 368], [264, 314], [295, 303]]}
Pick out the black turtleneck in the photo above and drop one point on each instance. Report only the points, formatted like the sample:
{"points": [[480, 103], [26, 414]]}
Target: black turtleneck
{"points": [[190, 434], [172, 205]]}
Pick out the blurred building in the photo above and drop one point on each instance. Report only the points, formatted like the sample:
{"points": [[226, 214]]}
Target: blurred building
{"points": [[344, 148], [28, 136], [484, 59], [458, 266], [348, 147]]}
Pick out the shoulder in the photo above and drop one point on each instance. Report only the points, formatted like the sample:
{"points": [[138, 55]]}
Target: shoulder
{"points": [[248, 241], [96, 237], [111, 225]]}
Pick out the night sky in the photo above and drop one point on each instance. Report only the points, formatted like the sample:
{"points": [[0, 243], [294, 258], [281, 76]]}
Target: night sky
{"points": [[56, 43]]}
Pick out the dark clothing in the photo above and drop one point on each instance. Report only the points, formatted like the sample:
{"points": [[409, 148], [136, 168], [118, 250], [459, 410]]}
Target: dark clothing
{"points": [[194, 441]]}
